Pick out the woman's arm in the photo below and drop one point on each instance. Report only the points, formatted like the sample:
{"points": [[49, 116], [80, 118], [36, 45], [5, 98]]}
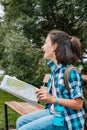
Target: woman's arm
{"points": [[43, 95], [71, 103]]}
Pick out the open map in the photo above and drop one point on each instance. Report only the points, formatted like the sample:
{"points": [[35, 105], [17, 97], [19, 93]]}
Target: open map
{"points": [[19, 88]]}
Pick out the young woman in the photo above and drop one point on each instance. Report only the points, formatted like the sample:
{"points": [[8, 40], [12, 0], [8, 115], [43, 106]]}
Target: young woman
{"points": [[63, 110]]}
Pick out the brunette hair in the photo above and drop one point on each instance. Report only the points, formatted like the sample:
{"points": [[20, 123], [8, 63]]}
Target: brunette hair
{"points": [[69, 48]]}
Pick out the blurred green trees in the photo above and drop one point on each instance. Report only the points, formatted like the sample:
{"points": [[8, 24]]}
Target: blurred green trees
{"points": [[26, 24]]}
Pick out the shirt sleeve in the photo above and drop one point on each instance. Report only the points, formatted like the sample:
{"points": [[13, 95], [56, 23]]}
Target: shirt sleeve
{"points": [[75, 84]]}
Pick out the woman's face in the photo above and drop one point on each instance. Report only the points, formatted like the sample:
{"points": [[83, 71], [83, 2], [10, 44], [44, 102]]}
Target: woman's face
{"points": [[49, 49]]}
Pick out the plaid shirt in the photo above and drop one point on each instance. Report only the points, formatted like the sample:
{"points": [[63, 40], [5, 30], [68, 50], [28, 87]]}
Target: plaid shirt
{"points": [[74, 119]]}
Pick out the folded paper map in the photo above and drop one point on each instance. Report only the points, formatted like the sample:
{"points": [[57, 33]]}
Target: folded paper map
{"points": [[19, 88]]}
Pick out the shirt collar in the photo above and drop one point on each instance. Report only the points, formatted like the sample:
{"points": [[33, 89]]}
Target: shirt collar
{"points": [[52, 65]]}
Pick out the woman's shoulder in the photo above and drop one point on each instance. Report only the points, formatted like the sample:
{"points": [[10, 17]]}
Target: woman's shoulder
{"points": [[75, 75]]}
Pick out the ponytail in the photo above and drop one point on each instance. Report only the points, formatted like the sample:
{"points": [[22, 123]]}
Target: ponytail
{"points": [[76, 47]]}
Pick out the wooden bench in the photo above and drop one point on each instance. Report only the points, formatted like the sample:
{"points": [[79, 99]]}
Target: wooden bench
{"points": [[23, 107]]}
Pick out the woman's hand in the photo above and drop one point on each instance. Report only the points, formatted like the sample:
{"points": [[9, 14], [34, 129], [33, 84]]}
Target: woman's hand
{"points": [[43, 95]]}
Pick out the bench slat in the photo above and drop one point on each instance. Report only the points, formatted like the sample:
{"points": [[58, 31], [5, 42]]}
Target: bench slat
{"points": [[23, 107]]}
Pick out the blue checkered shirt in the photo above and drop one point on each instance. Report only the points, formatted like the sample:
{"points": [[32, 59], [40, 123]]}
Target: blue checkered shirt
{"points": [[74, 119]]}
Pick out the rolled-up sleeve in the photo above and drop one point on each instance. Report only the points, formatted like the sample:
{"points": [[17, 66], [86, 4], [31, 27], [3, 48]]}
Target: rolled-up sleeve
{"points": [[75, 84]]}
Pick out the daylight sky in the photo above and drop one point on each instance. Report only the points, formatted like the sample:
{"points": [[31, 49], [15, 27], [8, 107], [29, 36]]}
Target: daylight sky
{"points": [[2, 13]]}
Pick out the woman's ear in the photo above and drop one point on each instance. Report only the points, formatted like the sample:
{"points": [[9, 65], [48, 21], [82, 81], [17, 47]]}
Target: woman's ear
{"points": [[54, 47]]}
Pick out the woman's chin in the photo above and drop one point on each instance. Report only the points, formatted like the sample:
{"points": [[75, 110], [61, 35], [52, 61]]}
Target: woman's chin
{"points": [[47, 58]]}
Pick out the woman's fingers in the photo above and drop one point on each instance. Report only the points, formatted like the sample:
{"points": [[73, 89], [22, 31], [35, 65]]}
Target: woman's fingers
{"points": [[43, 94], [43, 97]]}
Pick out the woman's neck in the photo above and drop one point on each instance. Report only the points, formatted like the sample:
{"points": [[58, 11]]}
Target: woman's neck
{"points": [[56, 63]]}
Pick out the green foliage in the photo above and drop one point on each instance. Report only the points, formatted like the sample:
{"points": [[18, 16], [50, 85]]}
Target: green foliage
{"points": [[19, 57], [38, 17], [25, 26], [22, 60]]}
